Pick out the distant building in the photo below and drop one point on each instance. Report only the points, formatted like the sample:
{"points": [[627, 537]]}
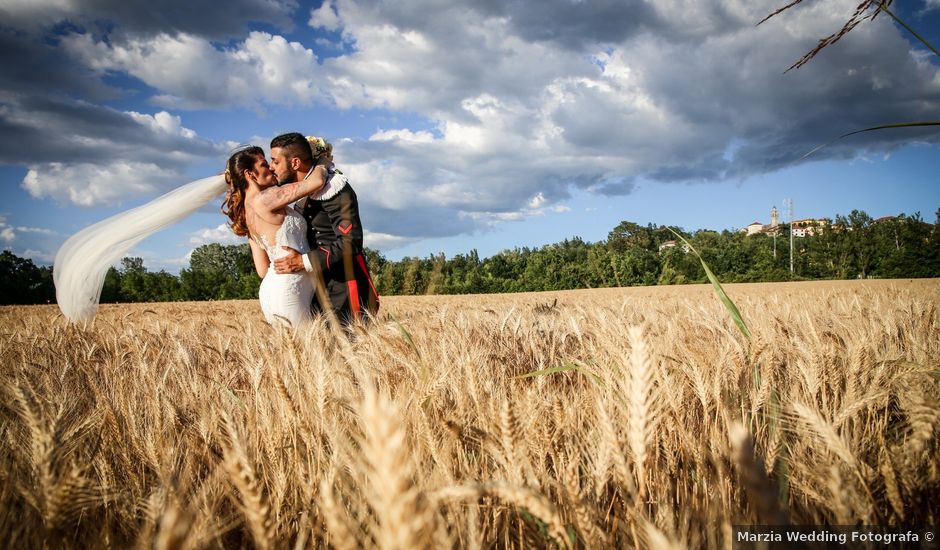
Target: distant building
{"points": [[758, 228], [800, 228], [808, 227], [802, 231]]}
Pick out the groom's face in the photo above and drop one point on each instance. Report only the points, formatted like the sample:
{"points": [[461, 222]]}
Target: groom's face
{"points": [[281, 166]]}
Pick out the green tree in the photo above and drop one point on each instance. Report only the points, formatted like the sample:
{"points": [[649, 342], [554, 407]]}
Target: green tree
{"points": [[630, 235], [197, 284], [111, 291], [220, 272], [637, 267], [862, 243], [903, 248], [133, 280], [232, 260], [23, 282], [412, 282], [436, 277], [162, 287], [387, 279]]}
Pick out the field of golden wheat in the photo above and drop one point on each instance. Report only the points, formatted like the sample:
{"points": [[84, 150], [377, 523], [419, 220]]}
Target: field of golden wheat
{"points": [[197, 425]]}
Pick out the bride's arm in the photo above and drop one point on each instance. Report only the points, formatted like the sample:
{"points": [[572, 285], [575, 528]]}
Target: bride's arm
{"points": [[259, 257], [275, 198]]}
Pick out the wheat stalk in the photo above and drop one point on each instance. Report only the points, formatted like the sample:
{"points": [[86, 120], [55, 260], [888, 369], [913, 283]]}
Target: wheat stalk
{"points": [[243, 477], [404, 518], [640, 407], [759, 489]]}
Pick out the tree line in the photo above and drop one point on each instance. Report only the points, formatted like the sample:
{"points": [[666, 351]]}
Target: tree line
{"points": [[853, 246]]}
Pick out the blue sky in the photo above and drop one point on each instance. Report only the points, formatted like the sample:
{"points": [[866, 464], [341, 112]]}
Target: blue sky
{"points": [[486, 125]]}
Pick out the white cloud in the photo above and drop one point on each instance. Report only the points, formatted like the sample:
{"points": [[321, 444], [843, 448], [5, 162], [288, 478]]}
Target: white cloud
{"points": [[155, 262], [89, 155], [528, 102], [191, 72], [537, 201], [163, 122], [91, 184], [221, 234], [525, 104], [384, 241], [402, 135], [28, 241], [527, 111], [324, 17], [214, 19]]}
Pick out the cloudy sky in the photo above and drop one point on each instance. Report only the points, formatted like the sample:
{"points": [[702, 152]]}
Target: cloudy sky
{"points": [[484, 124]]}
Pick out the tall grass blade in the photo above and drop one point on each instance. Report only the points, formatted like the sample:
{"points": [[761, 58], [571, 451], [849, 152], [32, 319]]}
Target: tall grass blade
{"points": [[884, 8], [725, 299], [872, 129]]}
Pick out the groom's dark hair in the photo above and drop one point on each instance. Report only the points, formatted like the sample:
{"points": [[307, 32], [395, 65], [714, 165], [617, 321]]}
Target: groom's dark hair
{"points": [[294, 145]]}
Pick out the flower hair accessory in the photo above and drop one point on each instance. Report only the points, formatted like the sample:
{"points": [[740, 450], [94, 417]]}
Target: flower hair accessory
{"points": [[319, 146]]}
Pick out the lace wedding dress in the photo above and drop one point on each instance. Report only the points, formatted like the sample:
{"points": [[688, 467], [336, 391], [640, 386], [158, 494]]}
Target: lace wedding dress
{"points": [[285, 297]]}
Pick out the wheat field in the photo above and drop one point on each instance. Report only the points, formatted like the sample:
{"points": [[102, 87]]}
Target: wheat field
{"points": [[197, 425]]}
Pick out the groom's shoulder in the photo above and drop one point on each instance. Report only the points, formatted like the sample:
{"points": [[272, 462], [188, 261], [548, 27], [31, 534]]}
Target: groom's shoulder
{"points": [[346, 191]]}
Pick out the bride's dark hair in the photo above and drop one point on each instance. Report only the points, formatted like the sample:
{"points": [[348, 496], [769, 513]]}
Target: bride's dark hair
{"points": [[234, 205]]}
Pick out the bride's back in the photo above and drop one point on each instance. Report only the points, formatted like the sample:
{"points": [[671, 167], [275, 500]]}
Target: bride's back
{"points": [[274, 230]]}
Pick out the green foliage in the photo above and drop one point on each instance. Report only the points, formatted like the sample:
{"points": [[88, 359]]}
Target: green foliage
{"points": [[23, 282], [220, 272], [853, 246]]}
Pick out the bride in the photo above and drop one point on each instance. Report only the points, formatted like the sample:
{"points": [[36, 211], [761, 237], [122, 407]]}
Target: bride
{"points": [[257, 207], [260, 210]]}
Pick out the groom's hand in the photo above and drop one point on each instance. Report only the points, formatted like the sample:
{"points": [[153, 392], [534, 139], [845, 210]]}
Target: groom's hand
{"points": [[291, 263]]}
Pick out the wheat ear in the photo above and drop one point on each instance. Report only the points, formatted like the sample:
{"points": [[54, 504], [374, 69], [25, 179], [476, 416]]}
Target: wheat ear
{"points": [[337, 524], [510, 438], [242, 475], [759, 489], [404, 517], [640, 402]]}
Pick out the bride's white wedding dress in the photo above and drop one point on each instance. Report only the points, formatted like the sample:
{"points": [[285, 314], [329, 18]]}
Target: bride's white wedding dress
{"points": [[285, 297]]}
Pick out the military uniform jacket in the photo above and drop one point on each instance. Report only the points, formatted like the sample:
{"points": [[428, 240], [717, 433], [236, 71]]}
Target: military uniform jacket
{"points": [[334, 231]]}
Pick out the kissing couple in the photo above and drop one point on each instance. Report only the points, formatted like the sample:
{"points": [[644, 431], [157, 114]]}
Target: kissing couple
{"points": [[299, 213]]}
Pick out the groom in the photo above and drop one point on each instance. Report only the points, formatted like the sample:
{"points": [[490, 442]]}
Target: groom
{"points": [[334, 233]]}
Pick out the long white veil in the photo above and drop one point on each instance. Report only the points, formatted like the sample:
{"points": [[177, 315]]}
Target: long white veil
{"points": [[83, 261]]}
